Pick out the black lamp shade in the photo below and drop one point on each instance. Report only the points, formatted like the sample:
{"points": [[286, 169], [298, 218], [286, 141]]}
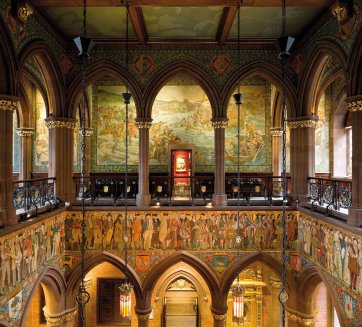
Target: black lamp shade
{"points": [[238, 97], [84, 45], [127, 97], [284, 45]]}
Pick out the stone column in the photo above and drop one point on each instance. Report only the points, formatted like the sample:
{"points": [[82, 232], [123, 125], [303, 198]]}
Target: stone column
{"points": [[88, 143], [61, 155], [302, 154], [277, 143], [219, 317], [143, 317], [8, 105], [354, 104], [64, 319], [143, 197], [26, 141], [219, 196]]}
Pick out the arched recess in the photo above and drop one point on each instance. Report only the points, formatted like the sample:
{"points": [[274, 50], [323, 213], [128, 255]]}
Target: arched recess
{"points": [[195, 263], [75, 276], [52, 281], [354, 67], [307, 284], [269, 72], [184, 68], [94, 72], [54, 79], [268, 260], [8, 62], [311, 74]]}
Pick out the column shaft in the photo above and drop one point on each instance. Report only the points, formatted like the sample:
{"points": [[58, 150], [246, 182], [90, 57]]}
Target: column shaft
{"points": [[276, 151], [25, 152]]}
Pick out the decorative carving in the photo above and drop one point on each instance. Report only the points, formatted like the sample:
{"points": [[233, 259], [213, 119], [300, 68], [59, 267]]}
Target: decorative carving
{"points": [[143, 124], [300, 318], [143, 64], [144, 316], [25, 132], [66, 64], [24, 12], [221, 65], [60, 124], [277, 132], [181, 284], [354, 105], [348, 16], [312, 123], [221, 123], [9, 104], [56, 321], [88, 132], [219, 317]]}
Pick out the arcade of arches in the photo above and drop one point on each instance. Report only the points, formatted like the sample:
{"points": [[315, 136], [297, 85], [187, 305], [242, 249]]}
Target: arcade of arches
{"points": [[183, 258]]}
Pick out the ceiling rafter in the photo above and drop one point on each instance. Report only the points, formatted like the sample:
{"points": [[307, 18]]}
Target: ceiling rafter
{"points": [[138, 23], [226, 22]]}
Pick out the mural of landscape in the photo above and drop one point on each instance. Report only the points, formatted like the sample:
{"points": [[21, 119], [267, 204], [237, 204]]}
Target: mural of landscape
{"points": [[41, 136], [181, 115], [255, 112], [108, 113]]}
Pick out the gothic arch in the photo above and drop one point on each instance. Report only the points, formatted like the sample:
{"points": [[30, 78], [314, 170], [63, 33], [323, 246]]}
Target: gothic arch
{"points": [[54, 286], [172, 70], [195, 263], [93, 261], [312, 71], [307, 283], [96, 71], [354, 68], [247, 261], [269, 72], [54, 80]]}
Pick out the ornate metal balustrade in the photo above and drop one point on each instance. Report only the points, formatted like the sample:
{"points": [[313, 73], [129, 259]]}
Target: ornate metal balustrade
{"points": [[330, 193], [33, 194]]}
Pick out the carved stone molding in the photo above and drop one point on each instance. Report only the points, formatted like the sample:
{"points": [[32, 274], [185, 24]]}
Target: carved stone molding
{"points": [[88, 132], [8, 102], [144, 124], [302, 319], [61, 318], [60, 123], [354, 103], [219, 123], [219, 317], [310, 122], [276, 131], [25, 131], [143, 316]]}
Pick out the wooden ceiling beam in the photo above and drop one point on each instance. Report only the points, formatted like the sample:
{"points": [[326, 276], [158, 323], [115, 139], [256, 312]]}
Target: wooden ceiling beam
{"points": [[181, 3], [226, 22], [138, 22]]}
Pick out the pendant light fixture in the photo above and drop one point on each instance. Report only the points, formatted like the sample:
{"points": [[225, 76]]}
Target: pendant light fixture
{"points": [[125, 289], [84, 46], [237, 289], [284, 44]]}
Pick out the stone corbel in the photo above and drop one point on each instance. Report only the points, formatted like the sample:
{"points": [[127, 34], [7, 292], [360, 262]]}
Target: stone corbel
{"points": [[219, 123], [303, 122]]}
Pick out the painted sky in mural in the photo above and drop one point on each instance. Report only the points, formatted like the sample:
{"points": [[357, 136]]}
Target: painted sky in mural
{"points": [[182, 115], [109, 129]]}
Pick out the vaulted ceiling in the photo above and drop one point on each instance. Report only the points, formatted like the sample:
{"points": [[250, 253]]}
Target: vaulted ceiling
{"points": [[169, 21]]}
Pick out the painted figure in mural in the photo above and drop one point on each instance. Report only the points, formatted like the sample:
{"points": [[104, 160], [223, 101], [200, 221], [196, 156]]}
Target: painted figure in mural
{"points": [[5, 264], [353, 264], [148, 231], [163, 231], [117, 236], [136, 232]]}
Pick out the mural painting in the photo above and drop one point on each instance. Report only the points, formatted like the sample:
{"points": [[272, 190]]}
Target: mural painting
{"points": [[181, 115], [23, 256], [109, 112], [41, 136], [255, 118]]}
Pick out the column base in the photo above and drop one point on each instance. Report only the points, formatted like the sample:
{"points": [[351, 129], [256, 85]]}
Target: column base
{"points": [[220, 200], [143, 200], [354, 216], [8, 217]]}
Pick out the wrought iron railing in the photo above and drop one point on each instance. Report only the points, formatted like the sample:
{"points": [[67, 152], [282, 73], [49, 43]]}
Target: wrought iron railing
{"points": [[33, 194], [267, 187], [330, 193]]}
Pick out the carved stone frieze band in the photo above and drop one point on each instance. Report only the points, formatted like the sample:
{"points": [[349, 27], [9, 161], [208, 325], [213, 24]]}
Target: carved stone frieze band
{"points": [[54, 123], [25, 132], [312, 123], [9, 104], [219, 123], [144, 124]]}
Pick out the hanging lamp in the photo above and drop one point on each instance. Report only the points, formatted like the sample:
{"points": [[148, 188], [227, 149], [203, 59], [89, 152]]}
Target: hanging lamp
{"points": [[125, 289], [238, 290], [284, 44], [84, 46]]}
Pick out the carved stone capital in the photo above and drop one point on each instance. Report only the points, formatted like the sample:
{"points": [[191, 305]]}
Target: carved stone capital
{"points": [[219, 123], [303, 122], [58, 122], [302, 319], [59, 319], [276, 131], [354, 103], [143, 314], [8, 102], [88, 132], [143, 123], [25, 131], [219, 317]]}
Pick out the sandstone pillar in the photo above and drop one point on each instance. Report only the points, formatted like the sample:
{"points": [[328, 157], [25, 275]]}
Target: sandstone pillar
{"points": [[8, 105], [61, 155], [277, 143], [143, 196], [26, 141], [219, 196], [302, 154], [354, 104]]}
